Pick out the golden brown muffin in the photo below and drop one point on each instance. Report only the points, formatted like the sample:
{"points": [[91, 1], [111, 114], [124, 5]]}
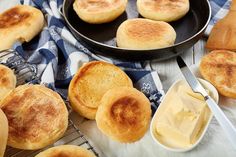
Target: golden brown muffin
{"points": [[124, 114], [144, 34], [99, 11], [20, 23], [91, 82], [223, 34], [66, 151], [37, 117], [7, 81], [219, 68], [3, 133], [163, 10]]}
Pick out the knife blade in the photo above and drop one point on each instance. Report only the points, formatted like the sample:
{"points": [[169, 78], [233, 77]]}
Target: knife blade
{"points": [[217, 112]]}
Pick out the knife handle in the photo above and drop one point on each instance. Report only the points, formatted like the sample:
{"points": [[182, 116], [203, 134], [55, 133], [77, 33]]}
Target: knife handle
{"points": [[223, 120]]}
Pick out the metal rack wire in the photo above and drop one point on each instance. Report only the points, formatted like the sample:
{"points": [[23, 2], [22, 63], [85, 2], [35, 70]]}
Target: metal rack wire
{"points": [[24, 71], [27, 73]]}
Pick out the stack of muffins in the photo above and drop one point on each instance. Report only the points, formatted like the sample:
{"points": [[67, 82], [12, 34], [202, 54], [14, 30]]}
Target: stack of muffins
{"points": [[102, 91]]}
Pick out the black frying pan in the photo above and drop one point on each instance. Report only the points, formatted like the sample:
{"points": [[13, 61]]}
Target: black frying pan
{"points": [[101, 38]]}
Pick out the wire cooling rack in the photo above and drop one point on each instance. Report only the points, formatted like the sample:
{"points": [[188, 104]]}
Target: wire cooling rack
{"points": [[27, 73]]}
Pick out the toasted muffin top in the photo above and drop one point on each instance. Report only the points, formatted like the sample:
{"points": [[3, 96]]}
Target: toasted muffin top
{"points": [[163, 10], [7, 81], [142, 34], [37, 116], [219, 68], [144, 29], [13, 17], [98, 5], [124, 114], [93, 80], [18, 15], [125, 111], [7, 77], [163, 5], [19, 24]]}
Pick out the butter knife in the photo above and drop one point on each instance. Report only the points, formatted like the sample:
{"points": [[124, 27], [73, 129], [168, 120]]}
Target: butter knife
{"points": [[217, 112]]}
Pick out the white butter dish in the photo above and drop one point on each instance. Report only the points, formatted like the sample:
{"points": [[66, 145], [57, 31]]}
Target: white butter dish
{"points": [[163, 141]]}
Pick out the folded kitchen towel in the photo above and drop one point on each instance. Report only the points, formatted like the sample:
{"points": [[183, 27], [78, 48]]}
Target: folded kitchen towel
{"points": [[58, 55], [219, 9]]}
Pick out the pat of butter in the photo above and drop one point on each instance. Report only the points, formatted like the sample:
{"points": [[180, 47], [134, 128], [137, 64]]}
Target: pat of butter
{"points": [[183, 117]]}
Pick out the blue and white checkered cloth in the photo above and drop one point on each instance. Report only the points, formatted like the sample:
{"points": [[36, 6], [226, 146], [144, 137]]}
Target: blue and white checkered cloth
{"points": [[219, 9], [58, 55]]}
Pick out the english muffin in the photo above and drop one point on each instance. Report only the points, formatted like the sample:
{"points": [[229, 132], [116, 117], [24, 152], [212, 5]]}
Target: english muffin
{"points": [[3, 133], [91, 82], [20, 23], [37, 117], [144, 34], [66, 151], [124, 114], [163, 10], [7, 81], [99, 11], [219, 68]]}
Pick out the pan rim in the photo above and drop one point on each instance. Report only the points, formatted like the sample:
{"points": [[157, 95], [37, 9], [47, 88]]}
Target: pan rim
{"points": [[125, 49]]}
